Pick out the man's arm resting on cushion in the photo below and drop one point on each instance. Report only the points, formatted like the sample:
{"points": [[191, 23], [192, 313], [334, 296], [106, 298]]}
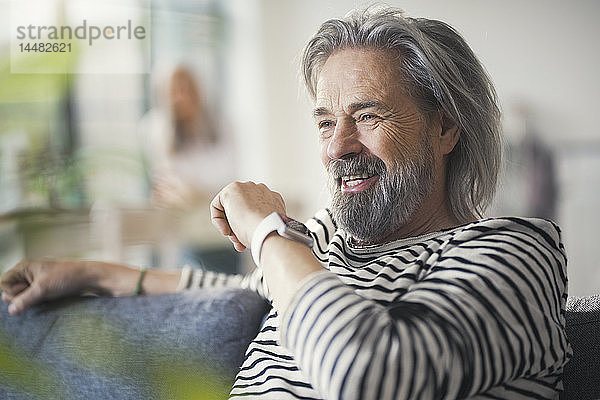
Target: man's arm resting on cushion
{"points": [[33, 281]]}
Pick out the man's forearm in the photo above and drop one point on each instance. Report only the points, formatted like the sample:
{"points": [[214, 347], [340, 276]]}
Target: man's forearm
{"points": [[285, 264], [121, 280]]}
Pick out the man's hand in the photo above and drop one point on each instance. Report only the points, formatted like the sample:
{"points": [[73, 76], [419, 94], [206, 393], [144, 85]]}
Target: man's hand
{"points": [[33, 281], [238, 209]]}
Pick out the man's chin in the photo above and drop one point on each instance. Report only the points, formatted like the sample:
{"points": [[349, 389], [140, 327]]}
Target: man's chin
{"points": [[362, 224], [363, 236], [351, 197], [366, 221]]}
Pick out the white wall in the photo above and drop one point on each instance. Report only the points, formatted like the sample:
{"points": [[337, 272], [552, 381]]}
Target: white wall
{"points": [[541, 53]]}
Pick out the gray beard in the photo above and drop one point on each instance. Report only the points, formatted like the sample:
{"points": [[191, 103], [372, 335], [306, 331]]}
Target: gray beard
{"points": [[377, 212]]}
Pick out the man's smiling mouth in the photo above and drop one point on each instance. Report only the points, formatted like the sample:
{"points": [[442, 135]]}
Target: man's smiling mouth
{"points": [[357, 183]]}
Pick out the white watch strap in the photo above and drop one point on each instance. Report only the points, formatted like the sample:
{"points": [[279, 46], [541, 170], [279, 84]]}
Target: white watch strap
{"points": [[269, 224]]}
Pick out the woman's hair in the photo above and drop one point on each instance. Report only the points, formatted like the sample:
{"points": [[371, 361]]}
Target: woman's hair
{"points": [[165, 76], [199, 124], [442, 73]]}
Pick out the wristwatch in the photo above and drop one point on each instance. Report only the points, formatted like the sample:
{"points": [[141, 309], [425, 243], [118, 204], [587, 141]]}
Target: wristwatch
{"points": [[284, 226]]}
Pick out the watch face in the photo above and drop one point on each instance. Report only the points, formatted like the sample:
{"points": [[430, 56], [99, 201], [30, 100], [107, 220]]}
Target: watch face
{"points": [[296, 230]]}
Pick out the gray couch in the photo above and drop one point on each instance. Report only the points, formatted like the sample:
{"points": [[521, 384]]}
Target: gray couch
{"points": [[182, 346], [581, 376], [177, 346]]}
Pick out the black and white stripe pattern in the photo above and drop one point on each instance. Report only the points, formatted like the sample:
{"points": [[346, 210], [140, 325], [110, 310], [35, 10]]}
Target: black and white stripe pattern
{"points": [[473, 312]]}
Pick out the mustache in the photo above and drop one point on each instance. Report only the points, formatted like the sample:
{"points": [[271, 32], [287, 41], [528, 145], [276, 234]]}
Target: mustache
{"points": [[358, 164]]}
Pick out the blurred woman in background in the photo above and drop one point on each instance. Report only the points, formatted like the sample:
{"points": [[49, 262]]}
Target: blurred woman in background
{"points": [[188, 161], [188, 158]]}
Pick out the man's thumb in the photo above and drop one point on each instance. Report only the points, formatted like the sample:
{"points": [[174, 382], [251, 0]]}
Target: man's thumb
{"points": [[28, 297]]}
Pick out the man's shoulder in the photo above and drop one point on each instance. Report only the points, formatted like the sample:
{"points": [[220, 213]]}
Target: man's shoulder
{"points": [[535, 231], [538, 226], [518, 246]]}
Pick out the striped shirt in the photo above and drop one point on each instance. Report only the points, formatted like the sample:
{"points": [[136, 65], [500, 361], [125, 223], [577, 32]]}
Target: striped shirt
{"points": [[476, 311]]}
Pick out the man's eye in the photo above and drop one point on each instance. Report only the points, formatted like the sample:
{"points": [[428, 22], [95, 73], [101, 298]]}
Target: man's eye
{"points": [[325, 124], [367, 117]]}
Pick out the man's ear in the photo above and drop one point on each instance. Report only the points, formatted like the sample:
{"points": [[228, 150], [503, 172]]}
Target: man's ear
{"points": [[448, 134]]}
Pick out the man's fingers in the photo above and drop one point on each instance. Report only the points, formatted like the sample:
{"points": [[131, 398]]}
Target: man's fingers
{"points": [[239, 247], [12, 276], [218, 218], [236, 243], [27, 298], [14, 289], [13, 282], [222, 226]]}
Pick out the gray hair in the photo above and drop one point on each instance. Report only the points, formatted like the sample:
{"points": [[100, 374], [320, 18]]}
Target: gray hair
{"points": [[443, 73]]}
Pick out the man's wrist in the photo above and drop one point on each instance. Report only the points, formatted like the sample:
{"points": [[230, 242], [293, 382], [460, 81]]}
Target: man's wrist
{"points": [[281, 225], [266, 227], [110, 279], [97, 278], [285, 263]]}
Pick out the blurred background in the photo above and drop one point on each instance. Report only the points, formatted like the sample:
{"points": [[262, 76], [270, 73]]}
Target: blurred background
{"points": [[118, 158]]}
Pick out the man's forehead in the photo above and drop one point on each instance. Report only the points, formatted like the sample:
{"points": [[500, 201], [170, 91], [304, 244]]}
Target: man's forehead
{"points": [[355, 76], [348, 87], [359, 95]]}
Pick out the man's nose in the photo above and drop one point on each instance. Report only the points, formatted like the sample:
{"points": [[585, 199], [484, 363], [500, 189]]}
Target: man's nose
{"points": [[345, 141]]}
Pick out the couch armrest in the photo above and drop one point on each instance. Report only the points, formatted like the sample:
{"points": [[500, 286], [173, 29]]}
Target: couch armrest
{"points": [[134, 347], [580, 378]]}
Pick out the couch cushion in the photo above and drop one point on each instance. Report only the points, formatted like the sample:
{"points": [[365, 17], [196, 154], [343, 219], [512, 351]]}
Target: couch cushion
{"points": [[581, 378], [168, 346]]}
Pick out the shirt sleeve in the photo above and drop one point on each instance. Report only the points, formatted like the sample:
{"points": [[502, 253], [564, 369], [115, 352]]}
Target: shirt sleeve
{"points": [[252, 281], [322, 229], [488, 308]]}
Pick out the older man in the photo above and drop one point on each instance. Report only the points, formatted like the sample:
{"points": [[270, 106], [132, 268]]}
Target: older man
{"points": [[397, 291]]}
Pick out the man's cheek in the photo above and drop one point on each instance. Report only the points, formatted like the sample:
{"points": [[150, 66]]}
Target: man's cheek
{"points": [[399, 140]]}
